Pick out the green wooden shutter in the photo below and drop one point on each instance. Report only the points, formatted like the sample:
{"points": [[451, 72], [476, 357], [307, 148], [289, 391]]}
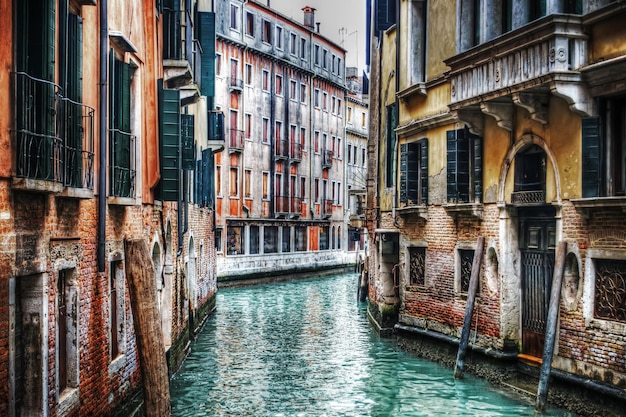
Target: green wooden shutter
{"points": [[206, 22], [216, 125], [451, 166], [478, 167], [170, 141], [591, 163], [412, 173], [188, 143], [463, 165], [385, 14], [208, 185], [423, 175], [403, 174], [75, 58]]}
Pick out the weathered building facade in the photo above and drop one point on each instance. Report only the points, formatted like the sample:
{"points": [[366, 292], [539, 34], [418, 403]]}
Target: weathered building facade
{"points": [[505, 123], [99, 102], [281, 185]]}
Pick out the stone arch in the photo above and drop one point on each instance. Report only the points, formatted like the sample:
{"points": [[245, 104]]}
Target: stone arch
{"points": [[520, 144]]}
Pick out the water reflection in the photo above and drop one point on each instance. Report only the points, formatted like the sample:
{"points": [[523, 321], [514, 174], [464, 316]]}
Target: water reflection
{"points": [[304, 348]]}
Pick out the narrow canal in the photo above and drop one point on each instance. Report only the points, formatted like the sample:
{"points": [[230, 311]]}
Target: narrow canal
{"points": [[305, 348]]}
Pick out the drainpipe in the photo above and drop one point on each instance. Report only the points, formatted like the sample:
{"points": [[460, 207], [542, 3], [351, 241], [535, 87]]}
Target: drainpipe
{"points": [[102, 172], [397, 109]]}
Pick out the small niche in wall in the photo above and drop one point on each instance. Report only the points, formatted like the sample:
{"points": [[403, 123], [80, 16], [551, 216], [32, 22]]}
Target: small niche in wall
{"points": [[492, 270], [570, 287]]}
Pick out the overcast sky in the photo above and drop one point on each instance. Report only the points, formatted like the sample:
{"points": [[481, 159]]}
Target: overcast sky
{"points": [[342, 21]]}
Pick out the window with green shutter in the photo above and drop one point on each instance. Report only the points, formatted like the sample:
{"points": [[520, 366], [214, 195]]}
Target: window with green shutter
{"points": [[413, 187], [390, 144], [206, 36], [464, 166], [385, 14], [188, 141], [170, 143]]}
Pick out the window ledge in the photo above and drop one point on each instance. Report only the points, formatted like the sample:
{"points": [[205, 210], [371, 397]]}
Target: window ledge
{"points": [[30, 184], [421, 211], [417, 288], [472, 209], [587, 205], [415, 89], [80, 193], [121, 201]]}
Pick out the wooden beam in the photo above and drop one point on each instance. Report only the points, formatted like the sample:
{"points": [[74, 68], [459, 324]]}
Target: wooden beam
{"points": [[150, 345]]}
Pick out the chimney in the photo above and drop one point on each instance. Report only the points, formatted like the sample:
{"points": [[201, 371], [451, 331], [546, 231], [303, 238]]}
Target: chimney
{"points": [[309, 17]]}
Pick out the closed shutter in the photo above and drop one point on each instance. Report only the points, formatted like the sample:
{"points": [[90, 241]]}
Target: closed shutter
{"points": [[170, 141], [172, 30], [216, 125], [188, 143], [385, 14], [591, 163], [207, 41], [451, 156], [412, 173], [208, 179], [423, 174], [478, 167], [463, 174], [403, 174]]}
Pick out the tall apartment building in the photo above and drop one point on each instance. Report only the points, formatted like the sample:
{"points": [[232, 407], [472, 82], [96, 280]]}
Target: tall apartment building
{"points": [[105, 134], [503, 122], [280, 182]]}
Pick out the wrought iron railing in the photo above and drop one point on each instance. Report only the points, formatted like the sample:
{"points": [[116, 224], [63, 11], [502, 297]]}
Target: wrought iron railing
{"points": [[236, 140], [287, 205], [295, 151], [235, 84], [76, 127], [122, 164], [528, 197], [282, 149], [327, 158], [327, 207]]}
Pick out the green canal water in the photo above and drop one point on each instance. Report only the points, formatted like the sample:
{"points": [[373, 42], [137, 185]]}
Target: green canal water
{"points": [[305, 348]]}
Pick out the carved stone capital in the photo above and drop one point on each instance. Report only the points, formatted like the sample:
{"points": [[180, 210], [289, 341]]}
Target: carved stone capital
{"points": [[502, 112], [473, 118], [576, 94], [535, 104]]}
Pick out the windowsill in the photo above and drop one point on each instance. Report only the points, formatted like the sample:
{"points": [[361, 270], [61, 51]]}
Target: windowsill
{"points": [[121, 201], [117, 364], [68, 401], [587, 205], [80, 193], [415, 89], [471, 209], [419, 288], [30, 184], [421, 211]]}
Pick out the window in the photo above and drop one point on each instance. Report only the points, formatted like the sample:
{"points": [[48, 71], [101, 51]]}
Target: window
{"points": [[324, 237], [279, 38], [293, 44], [414, 173], [362, 119], [301, 238], [270, 239], [530, 176], [316, 142], [286, 244], [266, 80], [333, 103], [235, 240], [248, 125], [218, 180], [278, 134], [302, 48], [254, 240], [266, 130], [317, 55], [293, 89], [279, 85], [338, 66], [266, 185], [302, 93], [249, 24], [267, 32], [466, 259], [390, 144], [121, 140], [325, 101], [363, 156], [67, 337], [325, 59], [247, 184], [218, 240], [302, 188], [248, 74], [303, 138], [317, 190], [316, 98], [610, 290], [464, 165], [332, 63], [417, 265], [234, 182], [339, 107], [339, 148], [604, 149], [117, 310], [349, 115], [348, 154], [234, 17]]}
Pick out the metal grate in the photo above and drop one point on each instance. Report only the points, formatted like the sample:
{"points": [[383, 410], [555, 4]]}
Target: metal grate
{"points": [[467, 258], [417, 265], [610, 294]]}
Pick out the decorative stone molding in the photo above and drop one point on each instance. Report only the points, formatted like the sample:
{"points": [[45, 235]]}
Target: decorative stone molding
{"points": [[535, 103], [502, 112], [473, 118]]}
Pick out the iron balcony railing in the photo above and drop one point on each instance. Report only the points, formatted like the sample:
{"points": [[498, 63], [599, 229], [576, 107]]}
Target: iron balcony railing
{"points": [[327, 158], [236, 140], [54, 136], [282, 149], [122, 164], [295, 151], [287, 205], [76, 122], [235, 84], [327, 207]]}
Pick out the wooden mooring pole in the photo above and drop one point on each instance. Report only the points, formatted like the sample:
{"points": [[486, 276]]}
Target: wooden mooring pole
{"points": [[150, 346], [553, 319], [459, 368]]}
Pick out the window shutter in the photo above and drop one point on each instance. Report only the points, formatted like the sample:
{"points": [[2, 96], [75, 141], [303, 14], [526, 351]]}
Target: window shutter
{"points": [[451, 166], [75, 58], [207, 41], [208, 161], [423, 174], [385, 14], [48, 41], [463, 165], [478, 168], [412, 173], [170, 129], [188, 143], [591, 163], [216, 125], [403, 173]]}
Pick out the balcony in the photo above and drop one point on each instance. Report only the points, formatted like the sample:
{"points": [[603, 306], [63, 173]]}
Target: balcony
{"points": [[287, 206], [295, 152], [282, 149], [216, 130], [235, 142], [521, 68], [235, 84], [327, 159], [54, 139], [327, 208], [178, 48], [122, 166]]}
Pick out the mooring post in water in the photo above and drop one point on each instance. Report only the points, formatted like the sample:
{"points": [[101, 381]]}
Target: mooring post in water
{"points": [[150, 346], [459, 368], [553, 319]]}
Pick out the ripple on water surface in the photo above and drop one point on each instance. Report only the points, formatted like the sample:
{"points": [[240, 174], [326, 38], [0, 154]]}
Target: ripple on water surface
{"points": [[305, 348]]}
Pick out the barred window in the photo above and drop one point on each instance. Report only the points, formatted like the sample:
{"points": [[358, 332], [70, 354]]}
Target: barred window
{"points": [[417, 266], [466, 258], [610, 290]]}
